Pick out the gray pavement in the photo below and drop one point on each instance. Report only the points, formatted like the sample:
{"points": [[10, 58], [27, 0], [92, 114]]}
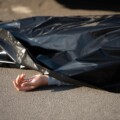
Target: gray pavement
{"points": [[51, 103]]}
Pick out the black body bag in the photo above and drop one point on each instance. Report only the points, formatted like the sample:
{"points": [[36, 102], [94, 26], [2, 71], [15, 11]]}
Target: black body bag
{"points": [[83, 50]]}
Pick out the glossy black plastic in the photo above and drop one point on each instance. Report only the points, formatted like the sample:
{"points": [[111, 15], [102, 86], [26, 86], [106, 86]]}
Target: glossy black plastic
{"points": [[85, 49]]}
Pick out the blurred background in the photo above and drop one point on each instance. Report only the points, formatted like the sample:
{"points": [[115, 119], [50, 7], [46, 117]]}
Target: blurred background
{"points": [[15, 9]]}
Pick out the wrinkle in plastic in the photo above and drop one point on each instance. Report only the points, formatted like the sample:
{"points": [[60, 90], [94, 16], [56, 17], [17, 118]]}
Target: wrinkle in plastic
{"points": [[84, 48]]}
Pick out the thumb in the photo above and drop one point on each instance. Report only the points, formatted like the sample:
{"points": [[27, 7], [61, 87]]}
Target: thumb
{"points": [[26, 84]]}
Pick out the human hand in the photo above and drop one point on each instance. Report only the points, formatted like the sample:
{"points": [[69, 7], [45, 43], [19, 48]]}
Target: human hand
{"points": [[22, 84]]}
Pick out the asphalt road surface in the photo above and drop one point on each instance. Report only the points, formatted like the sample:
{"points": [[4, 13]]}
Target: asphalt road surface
{"points": [[54, 103]]}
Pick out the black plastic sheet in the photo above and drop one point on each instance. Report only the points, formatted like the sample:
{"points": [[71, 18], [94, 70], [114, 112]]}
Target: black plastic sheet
{"points": [[82, 50]]}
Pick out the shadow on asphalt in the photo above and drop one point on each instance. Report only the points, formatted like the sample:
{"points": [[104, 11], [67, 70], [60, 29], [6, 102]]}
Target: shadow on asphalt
{"points": [[108, 5], [54, 88], [64, 88]]}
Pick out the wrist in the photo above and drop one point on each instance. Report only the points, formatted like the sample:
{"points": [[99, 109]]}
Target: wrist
{"points": [[44, 80]]}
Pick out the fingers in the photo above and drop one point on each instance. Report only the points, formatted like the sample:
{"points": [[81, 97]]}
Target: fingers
{"points": [[21, 79], [16, 86], [22, 84], [16, 83], [17, 79], [23, 87], [27, 86]]}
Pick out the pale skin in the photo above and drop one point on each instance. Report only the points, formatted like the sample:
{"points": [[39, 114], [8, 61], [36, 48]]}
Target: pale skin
{"points": [[22, 84]]}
